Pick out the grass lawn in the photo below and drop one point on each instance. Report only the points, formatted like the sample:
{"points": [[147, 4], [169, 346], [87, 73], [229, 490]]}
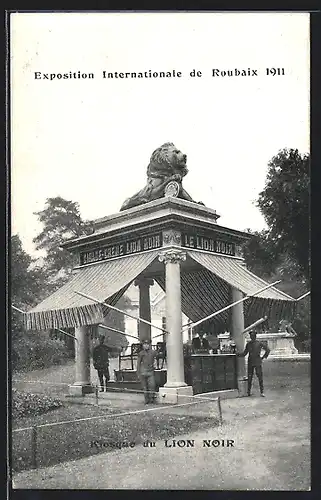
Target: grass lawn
{"points": [[72, 441], [284, 414]]}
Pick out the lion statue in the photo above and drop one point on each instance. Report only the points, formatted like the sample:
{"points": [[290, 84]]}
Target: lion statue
{"points": [[167, 164]]}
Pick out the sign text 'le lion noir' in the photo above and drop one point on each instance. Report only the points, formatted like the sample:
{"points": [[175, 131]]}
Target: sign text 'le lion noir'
{"points": [[208, 244]]}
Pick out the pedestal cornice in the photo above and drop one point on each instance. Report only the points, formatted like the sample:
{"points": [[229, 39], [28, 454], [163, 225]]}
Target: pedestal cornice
{"points": [[165, 214]]}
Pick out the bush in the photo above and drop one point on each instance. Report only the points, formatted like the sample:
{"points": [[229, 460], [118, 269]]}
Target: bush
{"points": [[25, 404], [33, 350]]}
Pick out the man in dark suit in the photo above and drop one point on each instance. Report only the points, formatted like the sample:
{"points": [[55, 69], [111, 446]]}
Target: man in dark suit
{"points": [[253, 349], [200, 343], [101, 362]]}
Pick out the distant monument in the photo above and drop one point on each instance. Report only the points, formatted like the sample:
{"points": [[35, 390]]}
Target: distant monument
{"points": [[165, 172], [280, 343]]}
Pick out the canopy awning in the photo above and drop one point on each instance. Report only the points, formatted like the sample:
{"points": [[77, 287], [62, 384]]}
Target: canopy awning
{"points": [[236, 274], [209, 289], [106, 281], [203, 293], [271, 302]]}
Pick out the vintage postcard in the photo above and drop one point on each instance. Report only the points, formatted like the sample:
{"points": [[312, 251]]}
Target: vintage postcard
{"points": [[160, 267]]}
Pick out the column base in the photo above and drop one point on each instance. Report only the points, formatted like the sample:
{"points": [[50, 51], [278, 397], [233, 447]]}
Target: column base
{"points": [[173, 385], [242, 387], [81, 389], [173, 395]]}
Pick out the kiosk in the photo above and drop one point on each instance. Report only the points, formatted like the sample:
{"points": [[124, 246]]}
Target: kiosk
{"points": [[161, 234]]}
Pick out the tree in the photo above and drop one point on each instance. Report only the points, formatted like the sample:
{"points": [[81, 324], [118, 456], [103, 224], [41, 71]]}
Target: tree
{"points": [[262, 259], [28, 287], [282, 250], [284, 203], [61, 221], [27, 279], [27, 282], [259, 253]]}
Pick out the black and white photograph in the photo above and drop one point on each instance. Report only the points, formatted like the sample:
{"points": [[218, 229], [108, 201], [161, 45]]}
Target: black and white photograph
{"points": [[159, 250]]}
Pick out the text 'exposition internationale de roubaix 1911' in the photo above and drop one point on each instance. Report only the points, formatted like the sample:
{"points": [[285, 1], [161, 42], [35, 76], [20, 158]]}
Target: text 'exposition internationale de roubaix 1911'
{"points": [[149, 74]]}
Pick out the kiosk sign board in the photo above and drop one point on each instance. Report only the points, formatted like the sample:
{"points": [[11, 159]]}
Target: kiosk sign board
{"points": [[214, 245], [121, 249]]}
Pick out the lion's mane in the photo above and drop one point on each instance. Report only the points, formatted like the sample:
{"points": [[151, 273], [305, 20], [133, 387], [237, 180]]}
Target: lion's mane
{"points": [[166, 163]]}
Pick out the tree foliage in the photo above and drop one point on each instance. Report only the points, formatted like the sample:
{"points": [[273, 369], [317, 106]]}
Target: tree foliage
{"points": [[61, 221], [27, 279], [263, 260], [281, 252], [29, 349], [28, 282], [284, 203], [259, 253]]}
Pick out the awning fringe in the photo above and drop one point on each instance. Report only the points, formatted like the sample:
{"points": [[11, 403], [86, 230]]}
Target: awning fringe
{"points": [[107, 281]]}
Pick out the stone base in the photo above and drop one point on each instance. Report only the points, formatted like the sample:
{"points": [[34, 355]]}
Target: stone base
{"points": [[281, 343], [285, 351], [173, 395], [81, 390], [289, 357], [242, 387]]}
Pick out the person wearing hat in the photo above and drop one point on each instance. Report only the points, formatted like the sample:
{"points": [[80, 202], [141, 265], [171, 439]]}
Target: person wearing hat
{"points": [[101, 362], [146, 370], [253, 349]]}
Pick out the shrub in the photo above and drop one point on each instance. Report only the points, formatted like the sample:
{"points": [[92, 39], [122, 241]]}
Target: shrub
{"points": [[31, 351], [25, 404]]}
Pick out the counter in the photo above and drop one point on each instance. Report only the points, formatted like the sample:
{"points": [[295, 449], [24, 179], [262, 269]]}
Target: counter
{"points": [[211, 372]]}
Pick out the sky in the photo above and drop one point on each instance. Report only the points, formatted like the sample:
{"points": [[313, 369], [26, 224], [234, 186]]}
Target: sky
{"points": [[90, 140]]}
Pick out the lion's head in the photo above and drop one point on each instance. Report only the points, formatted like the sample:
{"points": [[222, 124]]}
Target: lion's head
{"points": [[167, 164], [167, 159]]}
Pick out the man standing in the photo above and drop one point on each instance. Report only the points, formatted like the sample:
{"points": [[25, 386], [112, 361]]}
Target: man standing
{"points": [[253, 349], [146, 371], [101, 362]]}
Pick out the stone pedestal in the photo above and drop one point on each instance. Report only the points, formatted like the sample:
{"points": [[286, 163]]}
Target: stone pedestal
{"points": [[82, 384], [144, 330], [175, 387], [281, 343], [237, 328]]}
